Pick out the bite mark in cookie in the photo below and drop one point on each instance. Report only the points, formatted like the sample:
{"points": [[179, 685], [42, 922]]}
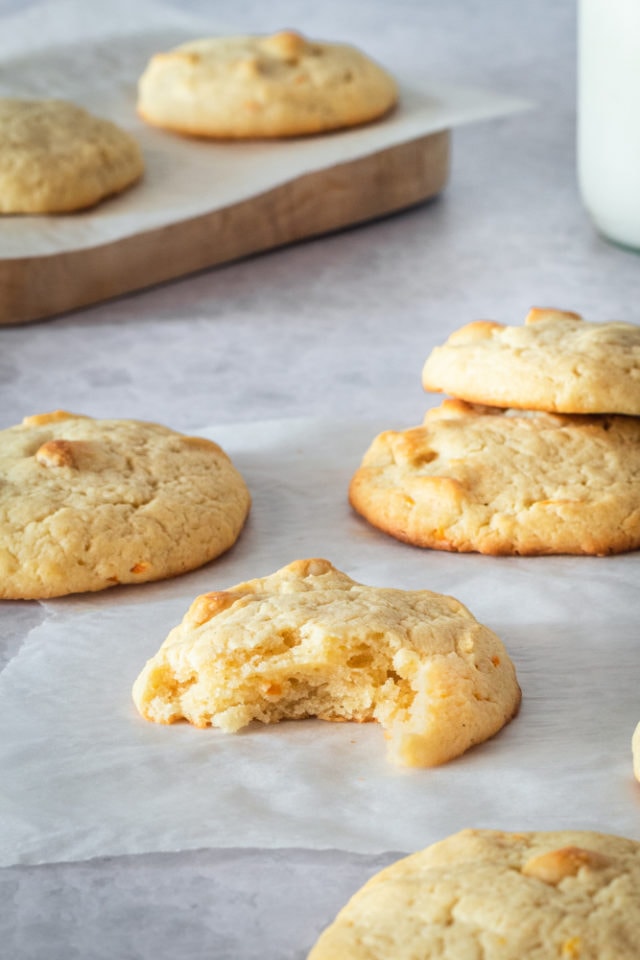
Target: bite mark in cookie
{"points": [[308, 641]]}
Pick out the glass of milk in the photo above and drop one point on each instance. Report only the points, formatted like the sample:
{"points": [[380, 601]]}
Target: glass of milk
{"points": [[609, 116]]}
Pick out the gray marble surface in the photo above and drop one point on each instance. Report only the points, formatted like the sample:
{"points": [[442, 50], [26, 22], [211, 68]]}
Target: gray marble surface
{"points": [[337, 324], [219, 904]]}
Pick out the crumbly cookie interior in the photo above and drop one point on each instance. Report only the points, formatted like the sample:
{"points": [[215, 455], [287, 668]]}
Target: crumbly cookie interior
{"points": [[416, 662]]}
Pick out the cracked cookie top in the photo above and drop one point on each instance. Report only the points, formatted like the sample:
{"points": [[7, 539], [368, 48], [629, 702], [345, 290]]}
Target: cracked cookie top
{"points": [[501, 481], [570, 895], [556, 362], [86, 504]]}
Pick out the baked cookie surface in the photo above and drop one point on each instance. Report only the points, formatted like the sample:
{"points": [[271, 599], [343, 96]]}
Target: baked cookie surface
{"points": [[310, 641], [56, 158], [505, 482], [566, 895], [556, 362], [86, 504], [281, 85]]}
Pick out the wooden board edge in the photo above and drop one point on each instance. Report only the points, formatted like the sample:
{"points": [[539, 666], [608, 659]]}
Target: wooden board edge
{"points": [[316, 203]]}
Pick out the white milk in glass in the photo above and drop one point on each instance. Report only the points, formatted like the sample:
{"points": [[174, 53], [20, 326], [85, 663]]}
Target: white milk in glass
{"points": [[609, 116]]}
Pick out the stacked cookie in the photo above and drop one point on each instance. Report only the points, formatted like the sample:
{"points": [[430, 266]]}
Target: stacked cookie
{"points": [[538, 454]]}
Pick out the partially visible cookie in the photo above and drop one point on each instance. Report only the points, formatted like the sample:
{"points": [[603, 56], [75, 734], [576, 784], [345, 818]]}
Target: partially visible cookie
{"points": [[308, 641], [56, 158], [565, 895], [86, 504], [281, 85], [556, 362], [505, 482]]}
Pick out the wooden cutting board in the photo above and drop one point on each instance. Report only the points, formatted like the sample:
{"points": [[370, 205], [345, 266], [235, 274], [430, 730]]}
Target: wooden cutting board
{"points": [[32, 288]]}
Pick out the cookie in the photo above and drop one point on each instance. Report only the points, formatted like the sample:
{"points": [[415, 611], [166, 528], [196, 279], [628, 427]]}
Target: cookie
{"points": [[281, 85], [56, 158], [505, 482], [86, 504], [556, 362], [565, 895], [308, 641]]}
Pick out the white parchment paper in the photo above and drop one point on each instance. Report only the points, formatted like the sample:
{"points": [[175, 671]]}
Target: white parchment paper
{"points": [[83, 775], [99, 68]]}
